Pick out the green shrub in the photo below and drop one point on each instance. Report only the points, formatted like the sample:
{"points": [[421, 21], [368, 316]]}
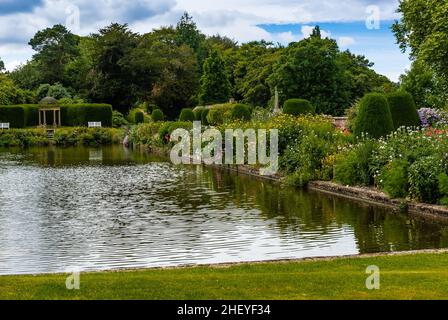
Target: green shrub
{"points": [[395, 179], [157, 115], [198, 113], [139, 117], [298, 107], [353, 167], [118, 120], [15, 115], [219, 114], [186, 115], [443, 186], [79, 115], [403, 110], [424, 180], [374, 117], [241, 112], [167, 128]]}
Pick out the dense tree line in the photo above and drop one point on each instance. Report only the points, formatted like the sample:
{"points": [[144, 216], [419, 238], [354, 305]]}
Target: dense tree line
{"points": [[177, 66]]}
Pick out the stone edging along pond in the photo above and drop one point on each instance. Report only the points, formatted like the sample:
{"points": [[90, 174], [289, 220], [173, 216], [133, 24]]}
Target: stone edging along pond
{"points": [[364, 194]]}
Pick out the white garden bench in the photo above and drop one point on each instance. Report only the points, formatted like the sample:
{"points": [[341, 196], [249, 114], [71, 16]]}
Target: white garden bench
{"points": [[4, 125], [94, 124]]}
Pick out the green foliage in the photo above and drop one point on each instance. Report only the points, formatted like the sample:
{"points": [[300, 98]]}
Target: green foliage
{"points": [[115, 77], [352, 167], [23, 138], [298, 107], [87, 136], [157, 115], [139, 117], [186, 115], [204, 117], [310, 69], [443, 187], [374, 116], [426, 87], [422, 28], [118, 120], [403, 110], [215, 83], [394, 178], [198, 113], [254, 64], [218, 114], [240, 112], [11, 94], [168, 127], [423, 180], [15, 115], [55, 47], [80, 115], [56, 91]]}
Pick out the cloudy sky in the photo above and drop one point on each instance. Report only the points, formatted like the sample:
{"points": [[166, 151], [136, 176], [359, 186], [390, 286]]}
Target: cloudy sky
{"points": [[354, 23]]}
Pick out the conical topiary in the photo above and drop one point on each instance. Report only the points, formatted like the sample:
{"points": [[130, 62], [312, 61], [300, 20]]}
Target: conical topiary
{"points": [[403, 110], [374, 116]]}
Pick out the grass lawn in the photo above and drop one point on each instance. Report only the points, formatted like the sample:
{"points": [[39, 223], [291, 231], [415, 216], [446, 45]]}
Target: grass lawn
{"points": [[416, 276]]}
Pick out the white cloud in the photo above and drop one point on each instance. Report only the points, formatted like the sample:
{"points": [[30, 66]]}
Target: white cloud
{"points": [[345, 42]]}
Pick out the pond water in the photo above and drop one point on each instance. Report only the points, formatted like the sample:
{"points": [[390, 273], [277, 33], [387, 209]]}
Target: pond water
{"points": [[109, 208]]}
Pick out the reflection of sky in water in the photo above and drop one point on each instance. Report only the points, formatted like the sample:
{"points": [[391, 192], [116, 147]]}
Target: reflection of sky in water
{"points": [[110, 208]]}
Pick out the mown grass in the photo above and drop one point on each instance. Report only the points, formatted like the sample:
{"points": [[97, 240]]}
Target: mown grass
{"points": [[417, 276]]}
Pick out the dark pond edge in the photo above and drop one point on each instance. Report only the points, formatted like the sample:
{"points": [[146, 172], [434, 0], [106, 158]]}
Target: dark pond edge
{"points": [[363, 194]]}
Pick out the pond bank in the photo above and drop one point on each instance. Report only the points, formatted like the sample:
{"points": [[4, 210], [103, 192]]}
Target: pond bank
{"points": [[64, 136], [425, 277]]}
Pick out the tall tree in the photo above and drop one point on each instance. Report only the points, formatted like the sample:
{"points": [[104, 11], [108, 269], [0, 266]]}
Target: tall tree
{"points": [[2, 65], [166, 73], [423, 30], [188, 33], [55, 47], [428, 89], [309, 69], [215, 83], [254, 65], [114, 81]]}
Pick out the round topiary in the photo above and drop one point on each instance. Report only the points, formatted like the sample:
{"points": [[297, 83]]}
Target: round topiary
{"points": [[186, 115], [139, 117], [198, 113], [374, 117], [403, 110], [298, 107], [157, 115], [240, 112]]}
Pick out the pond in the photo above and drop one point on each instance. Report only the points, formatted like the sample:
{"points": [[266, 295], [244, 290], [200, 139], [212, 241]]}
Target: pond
{"points": [[110, 208]]}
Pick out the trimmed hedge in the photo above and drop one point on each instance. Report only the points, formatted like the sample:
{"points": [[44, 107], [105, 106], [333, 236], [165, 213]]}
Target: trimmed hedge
{"points": [[186, 115], [157, 115], [403, 110], [15, 115], [139, 117], [80, 114], [298, 107], [241, 112], [218, 114], [374, 116], [198, 113], [71, 115]]}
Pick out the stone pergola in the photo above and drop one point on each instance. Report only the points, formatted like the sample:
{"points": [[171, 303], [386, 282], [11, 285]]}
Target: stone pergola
{"points": [[46, 105]]}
